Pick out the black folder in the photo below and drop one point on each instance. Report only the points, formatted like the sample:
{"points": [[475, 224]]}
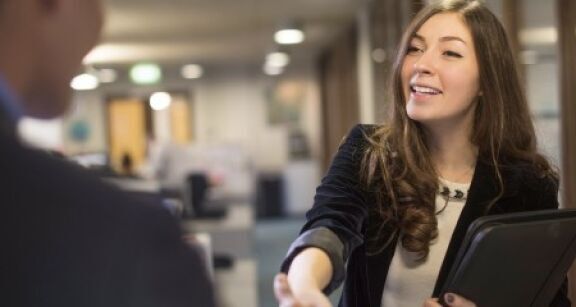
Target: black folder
{"points": [[518, 259]]}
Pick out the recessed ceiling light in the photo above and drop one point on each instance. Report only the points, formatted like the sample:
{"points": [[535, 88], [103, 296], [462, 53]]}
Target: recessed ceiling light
{"points": [[192, 71], [84, 82], [289, 36], [273, 70], [160, 101], [277, 59], [146, 73]]}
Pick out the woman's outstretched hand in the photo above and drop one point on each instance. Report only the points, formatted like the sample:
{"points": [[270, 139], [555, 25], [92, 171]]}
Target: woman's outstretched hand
{"points": [[451, 299], [305, 297]]}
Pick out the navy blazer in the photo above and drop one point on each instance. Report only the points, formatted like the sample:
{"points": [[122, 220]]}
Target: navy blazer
{"points": [[338, 222], [68, 239]]}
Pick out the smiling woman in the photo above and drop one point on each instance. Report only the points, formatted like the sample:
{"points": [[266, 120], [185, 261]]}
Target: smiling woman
{"points": [[440, 74], [398, 197]]}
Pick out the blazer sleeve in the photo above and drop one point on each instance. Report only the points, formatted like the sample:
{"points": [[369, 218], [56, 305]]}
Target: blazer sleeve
{"points": [[545, 190], [335, 222]]}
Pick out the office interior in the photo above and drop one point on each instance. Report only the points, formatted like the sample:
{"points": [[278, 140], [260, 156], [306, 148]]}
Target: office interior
{"points": [[200, 106]]}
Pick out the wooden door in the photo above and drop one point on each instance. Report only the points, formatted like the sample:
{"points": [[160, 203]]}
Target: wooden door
{"points": [[126, 131]]}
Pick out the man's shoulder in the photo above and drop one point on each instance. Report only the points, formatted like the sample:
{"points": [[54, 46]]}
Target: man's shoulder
{"points": [[42, 182]]}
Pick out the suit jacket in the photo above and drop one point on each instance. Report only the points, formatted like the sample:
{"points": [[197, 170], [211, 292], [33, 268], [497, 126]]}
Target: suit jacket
{"points": [[68, 239], [338, 222]]}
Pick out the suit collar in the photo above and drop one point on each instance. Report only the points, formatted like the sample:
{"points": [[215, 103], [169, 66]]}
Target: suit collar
{"points": [[10, 103], [10, 108], [7, 125]]}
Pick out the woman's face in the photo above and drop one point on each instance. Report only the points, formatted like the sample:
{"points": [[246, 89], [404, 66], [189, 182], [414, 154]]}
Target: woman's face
{"points": [[440, 73]]}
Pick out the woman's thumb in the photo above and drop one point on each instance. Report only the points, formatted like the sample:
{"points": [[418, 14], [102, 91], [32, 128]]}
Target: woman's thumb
{"points": [[281, 287]]}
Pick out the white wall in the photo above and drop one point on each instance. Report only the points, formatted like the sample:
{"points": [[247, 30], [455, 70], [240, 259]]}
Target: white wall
{"points": [[44, 134], [229, 106], [89, 107]]}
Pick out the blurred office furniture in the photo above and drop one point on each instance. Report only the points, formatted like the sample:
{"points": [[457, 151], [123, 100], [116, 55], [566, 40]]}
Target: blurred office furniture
{"points": [[232, 236], [197, 201], [269, 196], [149, 191], [214, 240], [203, 244], [237, 287], [300, 177], [135, 184], [227, 168], [214, 185]]}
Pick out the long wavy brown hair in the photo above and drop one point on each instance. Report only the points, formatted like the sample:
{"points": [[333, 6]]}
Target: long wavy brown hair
{"points": [[396, 165]]}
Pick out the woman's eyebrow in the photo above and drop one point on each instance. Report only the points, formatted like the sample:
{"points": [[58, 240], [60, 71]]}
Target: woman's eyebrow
{"points": [[418, 37], [442, 39], [452, 38]]}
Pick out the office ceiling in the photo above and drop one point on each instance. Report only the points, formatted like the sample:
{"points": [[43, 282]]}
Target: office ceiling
{"points": [[228, 32], [211, 32]]}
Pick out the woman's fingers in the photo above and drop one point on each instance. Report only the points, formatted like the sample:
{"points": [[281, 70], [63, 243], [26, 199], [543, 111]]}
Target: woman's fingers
{"points": [[451, 299], [281, 287], [457, 301], [307, 298], [282, 291]]}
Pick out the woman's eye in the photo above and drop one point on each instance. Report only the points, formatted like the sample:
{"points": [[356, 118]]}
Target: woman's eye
{"points": [[452, 54], [413, 49]]}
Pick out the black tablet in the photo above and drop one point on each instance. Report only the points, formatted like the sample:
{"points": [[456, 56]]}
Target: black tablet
{"points": [[518, 259]]}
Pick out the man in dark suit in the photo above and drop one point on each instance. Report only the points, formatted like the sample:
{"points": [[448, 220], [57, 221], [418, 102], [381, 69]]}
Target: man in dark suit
{"points": [[66, 238]]}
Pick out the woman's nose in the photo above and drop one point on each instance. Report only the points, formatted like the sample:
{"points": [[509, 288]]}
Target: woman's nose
{"points": [[423, 64]]}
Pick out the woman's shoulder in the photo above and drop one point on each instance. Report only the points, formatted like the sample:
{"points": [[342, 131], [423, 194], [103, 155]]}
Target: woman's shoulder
{"points": [[365, 132], [362, 130], [530, 175]]}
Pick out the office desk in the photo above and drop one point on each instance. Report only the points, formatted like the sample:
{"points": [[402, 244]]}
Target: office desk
{"points": [[232, 235]]}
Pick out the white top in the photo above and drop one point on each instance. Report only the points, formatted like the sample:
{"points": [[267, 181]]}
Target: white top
{"points": [[410, 282]]}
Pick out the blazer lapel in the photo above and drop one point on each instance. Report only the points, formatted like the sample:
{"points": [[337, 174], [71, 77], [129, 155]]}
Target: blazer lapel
{"points": [[483, 189], [377, 267]]}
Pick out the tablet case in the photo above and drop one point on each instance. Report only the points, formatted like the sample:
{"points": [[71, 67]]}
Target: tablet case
{"points": [[518, 259]]}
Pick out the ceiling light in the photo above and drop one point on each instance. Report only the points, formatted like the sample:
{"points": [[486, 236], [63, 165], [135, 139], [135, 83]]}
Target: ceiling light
{"points": [[277, 59], [273, 70], [160, 101], [289, 36], [107, 75], [539, 36], [84, 82], [192, 71], [146, 73]]}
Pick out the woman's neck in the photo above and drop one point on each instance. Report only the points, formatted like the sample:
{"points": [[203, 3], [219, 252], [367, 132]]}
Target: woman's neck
{"points": [[452, 153]]}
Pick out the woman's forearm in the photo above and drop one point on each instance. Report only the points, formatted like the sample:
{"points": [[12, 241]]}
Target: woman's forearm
{"points": [[310, 269]]}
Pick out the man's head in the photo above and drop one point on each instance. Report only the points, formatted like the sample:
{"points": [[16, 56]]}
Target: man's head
{"points": [[42, 44]]}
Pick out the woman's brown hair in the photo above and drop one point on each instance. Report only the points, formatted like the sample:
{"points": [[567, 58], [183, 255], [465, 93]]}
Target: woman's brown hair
{"points": [[396, 165]]}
